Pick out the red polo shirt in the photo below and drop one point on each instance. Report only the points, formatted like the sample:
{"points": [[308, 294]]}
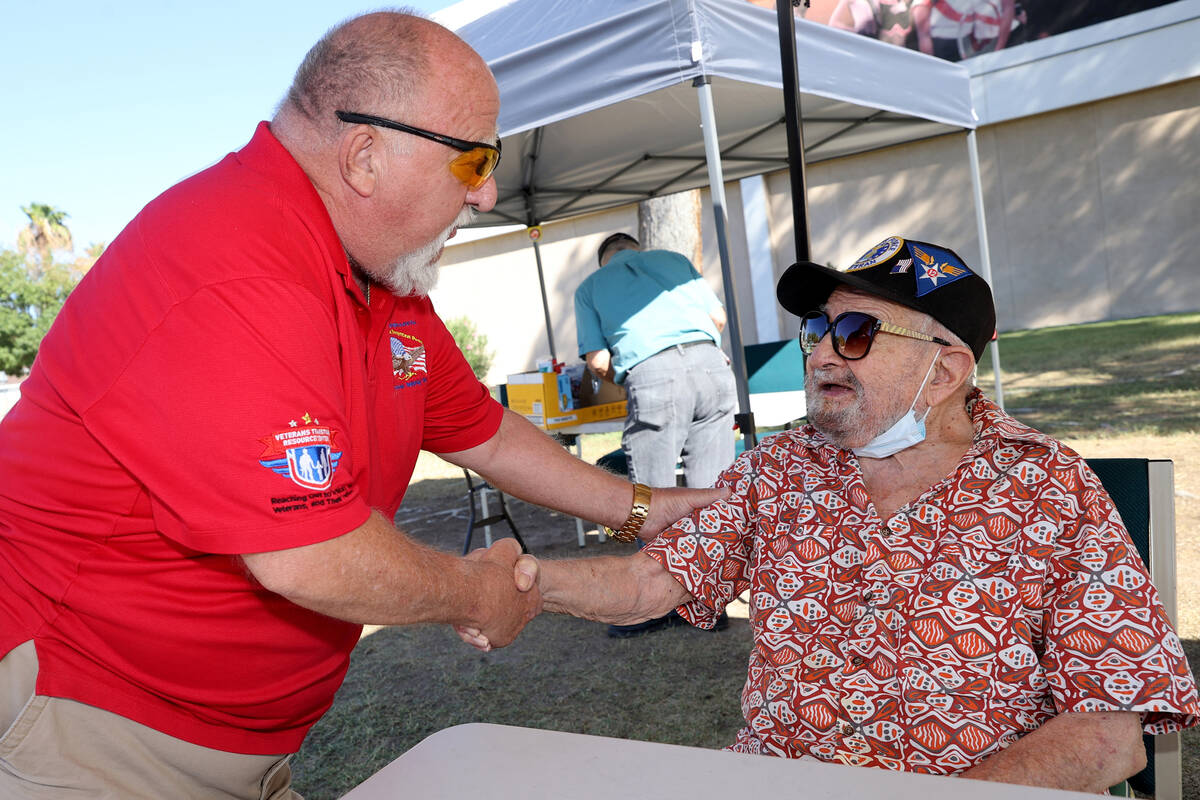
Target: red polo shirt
{"points": [[216, 385]]}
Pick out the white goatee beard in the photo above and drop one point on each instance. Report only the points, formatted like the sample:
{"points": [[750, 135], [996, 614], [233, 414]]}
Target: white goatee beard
{"points": [[416, 273]]}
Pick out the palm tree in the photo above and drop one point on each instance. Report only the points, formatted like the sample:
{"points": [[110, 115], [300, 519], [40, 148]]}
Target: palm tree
{"points": [[47, 231]]}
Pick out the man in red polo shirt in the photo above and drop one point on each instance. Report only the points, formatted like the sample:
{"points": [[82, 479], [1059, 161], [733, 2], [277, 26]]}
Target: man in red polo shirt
{"points": [[197, 486]]}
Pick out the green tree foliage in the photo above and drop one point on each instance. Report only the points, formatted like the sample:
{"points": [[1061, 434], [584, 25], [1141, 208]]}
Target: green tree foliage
{"points": [[91, 254], [473, 345], [28, 305]]}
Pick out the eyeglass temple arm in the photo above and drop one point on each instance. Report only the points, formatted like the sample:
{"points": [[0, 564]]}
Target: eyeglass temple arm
{"points": [[462, 145], [925, 337]]}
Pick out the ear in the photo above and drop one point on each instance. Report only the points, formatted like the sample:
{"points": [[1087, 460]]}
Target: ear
{"points": [[953, 368], [359, 159]]}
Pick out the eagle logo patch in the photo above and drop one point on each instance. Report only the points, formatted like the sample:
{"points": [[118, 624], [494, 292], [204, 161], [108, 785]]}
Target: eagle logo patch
{"points": [[408, 356]]}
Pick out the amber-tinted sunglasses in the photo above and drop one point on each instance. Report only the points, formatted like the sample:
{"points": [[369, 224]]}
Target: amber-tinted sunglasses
{"points": [[476, 164], [853, 333]]}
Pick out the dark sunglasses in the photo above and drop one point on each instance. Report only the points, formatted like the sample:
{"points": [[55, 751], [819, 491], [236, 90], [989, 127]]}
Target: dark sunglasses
{"points": [[476, 164], [853, 332]]}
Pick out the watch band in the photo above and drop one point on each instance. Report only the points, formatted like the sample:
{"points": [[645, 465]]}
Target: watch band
{"points": [[637, 515]]}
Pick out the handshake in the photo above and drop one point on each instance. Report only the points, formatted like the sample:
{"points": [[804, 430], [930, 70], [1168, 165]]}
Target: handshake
{"points": [[510, 588], [508, 592]]}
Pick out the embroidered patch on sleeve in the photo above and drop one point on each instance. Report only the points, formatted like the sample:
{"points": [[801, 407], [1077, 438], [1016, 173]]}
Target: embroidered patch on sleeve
{"points": [[303, 452]]}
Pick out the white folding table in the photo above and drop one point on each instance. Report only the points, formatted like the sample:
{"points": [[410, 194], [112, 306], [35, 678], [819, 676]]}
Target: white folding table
{"points": [[499, 762]]}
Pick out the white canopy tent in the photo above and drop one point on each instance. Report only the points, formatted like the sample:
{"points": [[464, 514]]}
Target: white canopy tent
{"points": [[607, 102]]}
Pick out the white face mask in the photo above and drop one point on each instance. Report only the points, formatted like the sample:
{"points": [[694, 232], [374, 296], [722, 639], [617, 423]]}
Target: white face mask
{"points": [[905, 432]]}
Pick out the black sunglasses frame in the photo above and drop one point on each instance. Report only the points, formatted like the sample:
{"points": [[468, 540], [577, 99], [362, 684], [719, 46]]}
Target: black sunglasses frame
{"points": [[462, 145], [877, 326]]}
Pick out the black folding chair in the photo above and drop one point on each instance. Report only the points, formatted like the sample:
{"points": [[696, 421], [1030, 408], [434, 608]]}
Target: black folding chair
{"points": [[1143, 490], [478, 488]]}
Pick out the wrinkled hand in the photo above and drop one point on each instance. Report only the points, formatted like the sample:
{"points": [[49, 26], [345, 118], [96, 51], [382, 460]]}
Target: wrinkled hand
{"points": [[510, 603], [670, 504]]}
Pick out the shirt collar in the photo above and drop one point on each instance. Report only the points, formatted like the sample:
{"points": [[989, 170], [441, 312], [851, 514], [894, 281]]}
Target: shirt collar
{"points": [[994, 428], [267, 156]]}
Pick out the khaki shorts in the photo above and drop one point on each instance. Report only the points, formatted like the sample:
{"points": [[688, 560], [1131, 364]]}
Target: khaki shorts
{"points": [[62, 749]]}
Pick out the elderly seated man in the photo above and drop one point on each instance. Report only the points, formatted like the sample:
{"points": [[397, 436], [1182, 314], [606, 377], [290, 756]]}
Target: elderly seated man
{"points": [[934, 586]]}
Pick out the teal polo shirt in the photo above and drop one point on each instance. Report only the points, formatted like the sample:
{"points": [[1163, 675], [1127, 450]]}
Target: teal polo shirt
{"points": [[640, 303]]}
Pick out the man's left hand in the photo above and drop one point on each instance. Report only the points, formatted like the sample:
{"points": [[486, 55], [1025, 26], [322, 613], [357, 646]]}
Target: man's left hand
{"points": [[670, 504]]}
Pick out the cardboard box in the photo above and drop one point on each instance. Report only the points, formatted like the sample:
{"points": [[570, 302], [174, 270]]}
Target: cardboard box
{"points": [[527, 388], [540, 398], [575, 416], [598, 391]]}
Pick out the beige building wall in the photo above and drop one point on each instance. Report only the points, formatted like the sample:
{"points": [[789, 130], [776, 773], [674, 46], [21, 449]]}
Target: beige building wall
{"points": [[1098, 208], [1093, 213]]}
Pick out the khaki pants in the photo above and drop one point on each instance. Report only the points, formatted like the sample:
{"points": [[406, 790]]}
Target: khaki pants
{"points": [[61, 749]]}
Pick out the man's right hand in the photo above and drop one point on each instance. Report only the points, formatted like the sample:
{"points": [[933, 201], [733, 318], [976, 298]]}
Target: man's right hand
{"points": [[509, 595], [600, 363]]}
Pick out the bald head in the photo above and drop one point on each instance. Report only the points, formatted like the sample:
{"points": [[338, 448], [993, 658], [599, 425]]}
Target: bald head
{"points": [[375, 61], [391, 194]]}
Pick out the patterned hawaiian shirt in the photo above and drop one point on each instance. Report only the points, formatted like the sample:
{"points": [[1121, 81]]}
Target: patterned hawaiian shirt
{"points": [[1004, 595]]}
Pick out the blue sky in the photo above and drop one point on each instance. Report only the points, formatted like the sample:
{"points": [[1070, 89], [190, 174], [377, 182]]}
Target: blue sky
{"points": [[103, 105]]}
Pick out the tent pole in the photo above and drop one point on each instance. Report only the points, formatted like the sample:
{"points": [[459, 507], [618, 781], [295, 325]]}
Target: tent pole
{"points": [[795, 136], [716, 183], [984, 253], [535, 232], [537, 254]]}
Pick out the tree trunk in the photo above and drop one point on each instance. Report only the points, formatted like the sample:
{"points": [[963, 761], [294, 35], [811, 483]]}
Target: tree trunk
{"points": [[672, 222]]}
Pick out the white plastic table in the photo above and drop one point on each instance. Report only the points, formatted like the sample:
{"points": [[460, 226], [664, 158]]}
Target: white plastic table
{"points": [[499, 762]]}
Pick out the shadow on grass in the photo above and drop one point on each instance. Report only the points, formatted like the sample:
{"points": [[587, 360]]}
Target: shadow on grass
{"points": [[1139, 375], [1122, 344], [679, 686], [440, 492], [1159, 406]]}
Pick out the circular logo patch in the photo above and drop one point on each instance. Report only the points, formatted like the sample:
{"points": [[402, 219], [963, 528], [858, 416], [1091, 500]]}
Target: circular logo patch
{"points": [[877, 254]]}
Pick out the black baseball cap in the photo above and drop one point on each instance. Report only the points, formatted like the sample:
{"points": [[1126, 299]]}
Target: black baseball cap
{"points": [[927, 277], [613, 239]]}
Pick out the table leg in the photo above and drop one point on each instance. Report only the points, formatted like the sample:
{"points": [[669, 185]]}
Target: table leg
{"points": [[578, 522], [487, 531]]}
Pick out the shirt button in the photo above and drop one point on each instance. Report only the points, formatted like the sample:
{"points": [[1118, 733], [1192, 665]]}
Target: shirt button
{"points": [[847, 729], [857, 661]]}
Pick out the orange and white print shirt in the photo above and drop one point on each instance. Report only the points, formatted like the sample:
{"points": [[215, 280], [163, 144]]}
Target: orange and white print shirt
{"points": [[1006, 594]]}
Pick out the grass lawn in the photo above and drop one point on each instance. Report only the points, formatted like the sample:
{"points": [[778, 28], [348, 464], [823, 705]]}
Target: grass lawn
{"points": [[1126, 388]]}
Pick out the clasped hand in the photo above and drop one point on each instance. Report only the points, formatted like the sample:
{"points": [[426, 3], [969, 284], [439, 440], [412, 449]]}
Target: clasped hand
{"points": [[510, 595], [521, 600]]}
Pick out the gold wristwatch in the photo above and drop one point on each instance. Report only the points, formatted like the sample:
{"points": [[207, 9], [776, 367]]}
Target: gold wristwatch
{"points": [[637, 515]]}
